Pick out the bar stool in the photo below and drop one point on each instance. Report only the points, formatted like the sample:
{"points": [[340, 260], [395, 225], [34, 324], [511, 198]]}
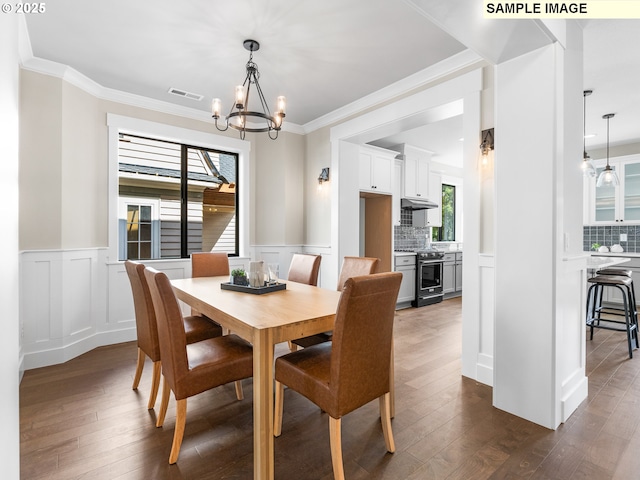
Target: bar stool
{"points": [[620, 279]]}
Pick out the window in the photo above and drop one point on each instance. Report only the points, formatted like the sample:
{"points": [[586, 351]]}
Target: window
{"points": [[138, 228], [175, 199], [447, 232]]}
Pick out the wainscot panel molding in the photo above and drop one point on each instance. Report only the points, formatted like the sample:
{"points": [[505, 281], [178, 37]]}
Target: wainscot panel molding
{"points": [[73, 301], [571, 291], [487, 319], [63, 305]]}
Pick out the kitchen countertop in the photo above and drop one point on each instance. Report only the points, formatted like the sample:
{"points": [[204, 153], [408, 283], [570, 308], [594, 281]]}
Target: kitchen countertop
{"points": [[596, 262], [403, 254], [615, 254]]}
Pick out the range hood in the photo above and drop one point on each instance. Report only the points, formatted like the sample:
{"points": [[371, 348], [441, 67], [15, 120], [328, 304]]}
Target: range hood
{"points": [[415, 204]]}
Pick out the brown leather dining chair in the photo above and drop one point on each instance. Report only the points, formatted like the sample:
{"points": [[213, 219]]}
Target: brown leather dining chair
{"points": [[208, 264], [304, 268], [189, 369], [353, 369], [196, 328], [351, 267], [212, 264]]}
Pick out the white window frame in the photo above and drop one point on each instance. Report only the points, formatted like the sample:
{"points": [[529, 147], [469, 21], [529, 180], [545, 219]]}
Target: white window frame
{"points": [[120, 124]]}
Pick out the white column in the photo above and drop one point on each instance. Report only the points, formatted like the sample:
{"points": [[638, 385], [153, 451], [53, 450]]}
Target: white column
{"points": [[539, 371]]}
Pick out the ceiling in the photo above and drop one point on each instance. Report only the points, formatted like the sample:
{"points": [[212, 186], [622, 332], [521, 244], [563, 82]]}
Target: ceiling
{"points": [[320, 55]]}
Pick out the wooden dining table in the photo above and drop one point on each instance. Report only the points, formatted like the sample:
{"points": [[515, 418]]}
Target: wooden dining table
{"points": [[264, 320]]}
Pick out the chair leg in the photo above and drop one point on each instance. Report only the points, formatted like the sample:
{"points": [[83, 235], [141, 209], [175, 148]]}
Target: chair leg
{"points": [[155, 384], [385, 417], [278, 405], [139, 367], [239, 391], [164, 403], [335, 441], [178, 434], [292, 347]]}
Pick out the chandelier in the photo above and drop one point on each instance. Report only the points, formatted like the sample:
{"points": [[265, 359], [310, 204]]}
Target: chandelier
{"points": [[240, 116]]}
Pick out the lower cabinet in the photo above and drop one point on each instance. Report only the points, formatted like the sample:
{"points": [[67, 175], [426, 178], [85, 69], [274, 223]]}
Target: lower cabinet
{"points": [[406, 264], [452, 275]]}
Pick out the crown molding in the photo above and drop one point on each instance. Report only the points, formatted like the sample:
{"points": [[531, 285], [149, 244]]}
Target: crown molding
{"points": [[73, 77], [450, 65], [462, 60]]}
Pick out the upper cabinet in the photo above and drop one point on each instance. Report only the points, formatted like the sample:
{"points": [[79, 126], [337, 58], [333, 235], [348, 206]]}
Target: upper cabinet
{"points": [[376, 169], [621, 204], [416, 172]]}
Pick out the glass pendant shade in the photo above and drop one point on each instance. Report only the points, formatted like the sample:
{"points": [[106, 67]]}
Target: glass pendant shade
{"points": [[608, 178], [588, 170]]}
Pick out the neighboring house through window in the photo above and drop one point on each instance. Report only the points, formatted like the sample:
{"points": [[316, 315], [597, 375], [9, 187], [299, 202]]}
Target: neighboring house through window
{"points": [[175, 199]]}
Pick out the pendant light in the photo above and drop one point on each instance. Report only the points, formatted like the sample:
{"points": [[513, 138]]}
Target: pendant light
{"points": [[588, 170], [240, 117], [608, 177]]}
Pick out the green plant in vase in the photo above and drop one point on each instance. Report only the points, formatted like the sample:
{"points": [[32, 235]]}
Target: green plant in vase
{"points": [[595, 246], [239, 277]]}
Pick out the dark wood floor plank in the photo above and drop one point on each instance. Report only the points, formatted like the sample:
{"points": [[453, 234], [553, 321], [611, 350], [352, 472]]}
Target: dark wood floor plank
{"points": [[82, 420]]}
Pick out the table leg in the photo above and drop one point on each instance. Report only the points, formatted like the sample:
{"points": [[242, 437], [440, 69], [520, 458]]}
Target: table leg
{"points": [[263, 463]]}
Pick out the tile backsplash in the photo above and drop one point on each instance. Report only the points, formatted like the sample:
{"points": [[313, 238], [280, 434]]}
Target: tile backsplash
{"points": [[405, 235], [610, 235]]}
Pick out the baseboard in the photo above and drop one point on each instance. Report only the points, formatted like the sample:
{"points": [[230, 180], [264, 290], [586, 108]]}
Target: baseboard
{"points": [[574, 398], [65, 353]]}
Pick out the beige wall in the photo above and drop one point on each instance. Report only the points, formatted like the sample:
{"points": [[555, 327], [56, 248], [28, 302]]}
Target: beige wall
{"points": [[279, 189], [64, 169], [40, 179], [317, 211]]}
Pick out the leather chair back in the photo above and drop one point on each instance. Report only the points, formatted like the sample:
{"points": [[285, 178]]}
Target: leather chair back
{"points": [[362, 338], [356, 266], [171, 335], [146, 326], [304, 269], [209, 264]]}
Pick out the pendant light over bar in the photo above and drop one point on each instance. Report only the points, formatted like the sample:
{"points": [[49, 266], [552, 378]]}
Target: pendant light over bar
{"points": [[608, 177], [588, 170], [240, 118]]}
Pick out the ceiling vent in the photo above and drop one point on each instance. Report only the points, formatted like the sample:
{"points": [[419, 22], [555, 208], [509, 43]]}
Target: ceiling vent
{"points": [[182, 93]]}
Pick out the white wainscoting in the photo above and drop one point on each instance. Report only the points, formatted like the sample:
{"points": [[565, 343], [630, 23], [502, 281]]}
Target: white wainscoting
{"points": [[486, 320], [72, 301]]}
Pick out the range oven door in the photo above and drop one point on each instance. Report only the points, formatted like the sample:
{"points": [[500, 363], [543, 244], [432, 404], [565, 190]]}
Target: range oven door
{"points": [[428, 282]]}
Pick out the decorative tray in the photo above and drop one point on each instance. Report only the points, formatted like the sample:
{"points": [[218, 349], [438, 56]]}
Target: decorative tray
{"points": [[254, 290]]}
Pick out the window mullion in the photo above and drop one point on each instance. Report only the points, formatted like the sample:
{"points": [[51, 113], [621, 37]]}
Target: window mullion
{"points": [[184, 203]]}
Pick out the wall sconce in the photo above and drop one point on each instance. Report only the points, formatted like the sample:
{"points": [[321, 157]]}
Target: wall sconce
{"points": [[486, 146], [324, 177]]}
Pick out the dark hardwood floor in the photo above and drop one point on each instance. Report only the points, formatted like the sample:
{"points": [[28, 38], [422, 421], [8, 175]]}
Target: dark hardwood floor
{"points": [[82, 420]]}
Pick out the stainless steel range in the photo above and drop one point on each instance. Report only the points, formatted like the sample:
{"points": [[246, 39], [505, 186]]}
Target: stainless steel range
{"points": [[429, 265]]}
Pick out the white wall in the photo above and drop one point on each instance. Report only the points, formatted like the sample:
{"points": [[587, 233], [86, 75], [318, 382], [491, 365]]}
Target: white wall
{"points": [[9, 280]]}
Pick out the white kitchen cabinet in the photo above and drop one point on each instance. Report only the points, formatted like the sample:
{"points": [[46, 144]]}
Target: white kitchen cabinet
{"points": [[621, 204], [407, 265], [396, 193], [376, 169], [431, 217], [416, 172]]}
